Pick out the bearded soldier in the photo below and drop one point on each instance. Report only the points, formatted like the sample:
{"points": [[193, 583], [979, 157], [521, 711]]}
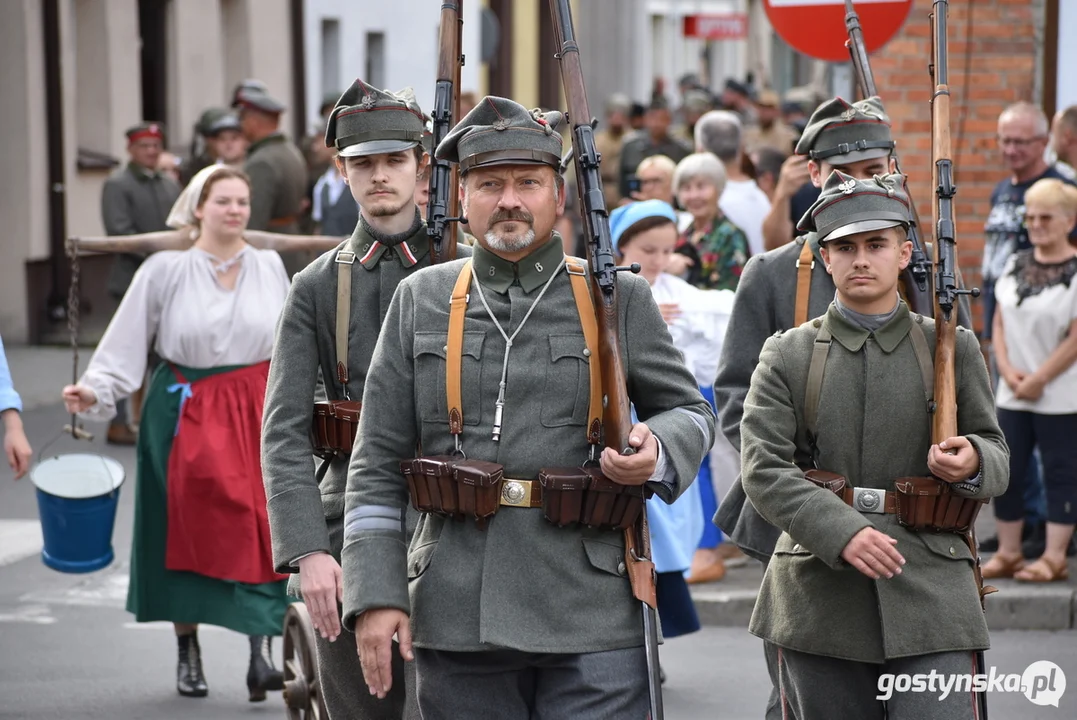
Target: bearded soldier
{"points": [[870, 574], [516, 581], [329, 324]]}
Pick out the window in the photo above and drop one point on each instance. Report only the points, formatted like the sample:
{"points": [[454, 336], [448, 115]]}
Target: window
{"points": [[331, 56], [375, 59]]}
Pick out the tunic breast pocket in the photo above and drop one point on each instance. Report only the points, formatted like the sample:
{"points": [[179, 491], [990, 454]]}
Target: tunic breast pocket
{"points": [[429, 352], [567, 390]]}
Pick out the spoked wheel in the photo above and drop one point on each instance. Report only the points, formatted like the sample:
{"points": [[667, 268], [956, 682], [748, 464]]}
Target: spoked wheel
{"points": [[302, 691]]}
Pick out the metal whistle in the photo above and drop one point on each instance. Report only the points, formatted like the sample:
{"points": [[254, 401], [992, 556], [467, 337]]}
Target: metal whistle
{"points": [[498, 411]]}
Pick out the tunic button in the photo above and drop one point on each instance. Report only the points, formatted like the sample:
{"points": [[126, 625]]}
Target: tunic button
{"points": [[952, 550], [586, 352], [621, 569], [796, 548]]}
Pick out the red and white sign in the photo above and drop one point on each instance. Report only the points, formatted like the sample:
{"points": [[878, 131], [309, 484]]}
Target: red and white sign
{"points": [[817, 27], [733, 26]]}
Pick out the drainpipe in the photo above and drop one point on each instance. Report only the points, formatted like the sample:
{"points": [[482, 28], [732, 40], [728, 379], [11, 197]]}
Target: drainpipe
{"points": [[299, 76], [54, 129]]}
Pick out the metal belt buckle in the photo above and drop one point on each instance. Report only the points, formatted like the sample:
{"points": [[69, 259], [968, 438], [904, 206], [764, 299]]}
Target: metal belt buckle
{"points": [[516, 493], [868, 500]]}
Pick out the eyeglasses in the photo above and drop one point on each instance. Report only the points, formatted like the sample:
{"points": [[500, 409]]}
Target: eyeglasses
{"points": [[1020, 142]]}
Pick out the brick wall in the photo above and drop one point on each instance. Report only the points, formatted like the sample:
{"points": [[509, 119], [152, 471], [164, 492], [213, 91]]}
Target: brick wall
{"points": [[990, 67]]}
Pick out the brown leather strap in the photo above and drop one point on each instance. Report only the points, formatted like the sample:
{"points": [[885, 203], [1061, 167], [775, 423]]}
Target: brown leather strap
{"points": [[805, 264], [454, 349], [815, 380], [283, 221], [577, 275], [925, 361], [638, 563], [345, 259]]}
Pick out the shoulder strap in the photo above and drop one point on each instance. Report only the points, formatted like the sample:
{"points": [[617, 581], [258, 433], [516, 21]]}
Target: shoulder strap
{"points": [[454, 349], [345, 259], [805, 264], [925, 361], [815, 381], [581, 291]]}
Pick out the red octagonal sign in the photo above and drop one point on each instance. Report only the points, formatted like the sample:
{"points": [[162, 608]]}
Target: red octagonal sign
{"points": [[817, 27]]}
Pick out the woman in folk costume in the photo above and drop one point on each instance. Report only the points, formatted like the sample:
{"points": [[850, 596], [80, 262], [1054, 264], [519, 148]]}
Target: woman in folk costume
{"points": [[646, 233], [201, 549]]}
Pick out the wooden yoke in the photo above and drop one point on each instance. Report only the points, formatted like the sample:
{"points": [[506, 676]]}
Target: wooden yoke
{"points": [[181, 240]]}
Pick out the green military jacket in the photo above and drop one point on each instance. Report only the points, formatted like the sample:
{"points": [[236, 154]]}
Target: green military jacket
{"points": [[134, 201], [873, 427], [278, 176], [305, 516], [521, 583]]}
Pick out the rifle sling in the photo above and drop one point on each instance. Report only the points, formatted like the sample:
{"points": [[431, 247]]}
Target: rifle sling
{"points": [[454, 348], [805, 264], [345, 260], [821, 349]]}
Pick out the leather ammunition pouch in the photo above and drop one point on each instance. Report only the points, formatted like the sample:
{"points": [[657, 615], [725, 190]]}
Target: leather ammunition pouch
{"points": [[927, 504], [583, 496], [334, 426], [454, 487]]}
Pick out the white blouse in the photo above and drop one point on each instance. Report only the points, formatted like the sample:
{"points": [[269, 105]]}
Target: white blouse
{"points": [[176, 302], [699, 331], [1035, 320]]}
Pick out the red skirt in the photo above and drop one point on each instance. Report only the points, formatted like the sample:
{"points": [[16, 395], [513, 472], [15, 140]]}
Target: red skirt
{"points": [[217, 520]]}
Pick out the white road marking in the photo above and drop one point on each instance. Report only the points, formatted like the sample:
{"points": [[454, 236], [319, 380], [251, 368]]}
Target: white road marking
{"points": [[19, 539], [104, 588], [35, 614], [202, 629]]}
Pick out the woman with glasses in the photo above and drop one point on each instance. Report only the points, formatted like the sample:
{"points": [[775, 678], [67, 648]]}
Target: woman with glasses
{"points": [[1035, 338]]}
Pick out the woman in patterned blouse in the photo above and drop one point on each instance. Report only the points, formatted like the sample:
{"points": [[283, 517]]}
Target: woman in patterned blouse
{"points": [[714, 250]]}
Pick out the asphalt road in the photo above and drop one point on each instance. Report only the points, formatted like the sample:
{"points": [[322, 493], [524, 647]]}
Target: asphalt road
{"points": [[69, 651]]}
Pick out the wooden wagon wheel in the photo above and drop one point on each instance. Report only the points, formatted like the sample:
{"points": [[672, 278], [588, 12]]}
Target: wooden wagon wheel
{"points": [[302, 689]]}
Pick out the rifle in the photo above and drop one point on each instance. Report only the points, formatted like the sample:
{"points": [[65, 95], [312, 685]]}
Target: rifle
{"points": [[443, 208], [947, 290], [918, 291], [616, 422]]}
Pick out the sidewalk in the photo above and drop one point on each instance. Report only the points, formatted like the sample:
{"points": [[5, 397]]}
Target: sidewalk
{"points": [[1016, 606]]}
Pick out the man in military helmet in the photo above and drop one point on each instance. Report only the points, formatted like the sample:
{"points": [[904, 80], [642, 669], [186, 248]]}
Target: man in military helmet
{"points": [[859, 587], [375, 137], [275, 166], [136, 199], [507, 614], [222, 142]]}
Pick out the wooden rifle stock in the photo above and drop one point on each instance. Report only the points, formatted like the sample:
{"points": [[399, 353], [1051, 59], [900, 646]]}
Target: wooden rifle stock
{"points": [[443, 207], [917, 275]]}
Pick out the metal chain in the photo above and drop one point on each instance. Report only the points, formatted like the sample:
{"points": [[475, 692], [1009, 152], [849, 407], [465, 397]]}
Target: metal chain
{"points": [[73, 321]]}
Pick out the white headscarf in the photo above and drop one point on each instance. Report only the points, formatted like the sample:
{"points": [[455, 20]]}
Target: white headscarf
{"points": [[182, 213]]}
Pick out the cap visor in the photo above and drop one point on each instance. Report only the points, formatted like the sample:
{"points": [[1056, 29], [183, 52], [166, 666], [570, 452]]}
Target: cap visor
{"points": [[377, 147], [857, 156], [860, 227]]}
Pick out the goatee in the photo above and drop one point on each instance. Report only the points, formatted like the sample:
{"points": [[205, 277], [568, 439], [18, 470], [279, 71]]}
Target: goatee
{"points": [[510, 243]]}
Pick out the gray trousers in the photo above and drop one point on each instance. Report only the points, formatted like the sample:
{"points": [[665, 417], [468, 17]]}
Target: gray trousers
{"points": [[346, 694], [513, 685], [814, 687]]}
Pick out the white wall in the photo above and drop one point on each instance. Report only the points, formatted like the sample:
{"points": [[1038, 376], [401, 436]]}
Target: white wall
{"points": [[1067, 54], [411, 41]]}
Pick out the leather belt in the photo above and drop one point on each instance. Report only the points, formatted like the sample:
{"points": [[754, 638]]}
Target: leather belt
{"points": [[521, 493], [870, 500]]}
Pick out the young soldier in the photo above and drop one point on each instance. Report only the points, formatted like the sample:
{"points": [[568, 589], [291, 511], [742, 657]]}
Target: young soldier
{"points": [[512, 616], [907, 599], [377, 137]]}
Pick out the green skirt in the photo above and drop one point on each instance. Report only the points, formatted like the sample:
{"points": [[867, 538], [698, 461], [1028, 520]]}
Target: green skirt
{"points": [[156, 593]]}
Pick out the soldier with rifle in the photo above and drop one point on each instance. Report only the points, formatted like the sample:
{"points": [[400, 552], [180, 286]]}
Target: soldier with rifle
{"points": [[514, 596], [874, 572], [328, 328]]}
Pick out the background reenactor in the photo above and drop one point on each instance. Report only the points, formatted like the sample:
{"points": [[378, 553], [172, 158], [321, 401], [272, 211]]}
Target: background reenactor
{"points": [[136, 199], [275, 166], [222, 142], [319, 335], [511, 615], [913, 603]]}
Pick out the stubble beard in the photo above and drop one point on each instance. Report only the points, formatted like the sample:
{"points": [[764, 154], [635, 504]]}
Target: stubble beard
{"points": [[386, 210]]}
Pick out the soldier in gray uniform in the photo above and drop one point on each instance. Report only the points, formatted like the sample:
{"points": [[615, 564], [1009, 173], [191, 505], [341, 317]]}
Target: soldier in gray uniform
{"points": [[275, 166], [857, 586], [510, 615], [136, 199], [376, 136]]}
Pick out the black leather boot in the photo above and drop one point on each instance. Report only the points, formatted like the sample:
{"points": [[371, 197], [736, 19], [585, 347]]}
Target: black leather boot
{"points": [[190, 682], [261, 675]]}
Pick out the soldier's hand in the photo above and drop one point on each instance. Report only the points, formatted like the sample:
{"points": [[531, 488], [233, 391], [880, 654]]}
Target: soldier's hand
{"points": [[637, 468], [793, 175], [322, 587], [374, 632], [873, 554], [953, 460]]}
